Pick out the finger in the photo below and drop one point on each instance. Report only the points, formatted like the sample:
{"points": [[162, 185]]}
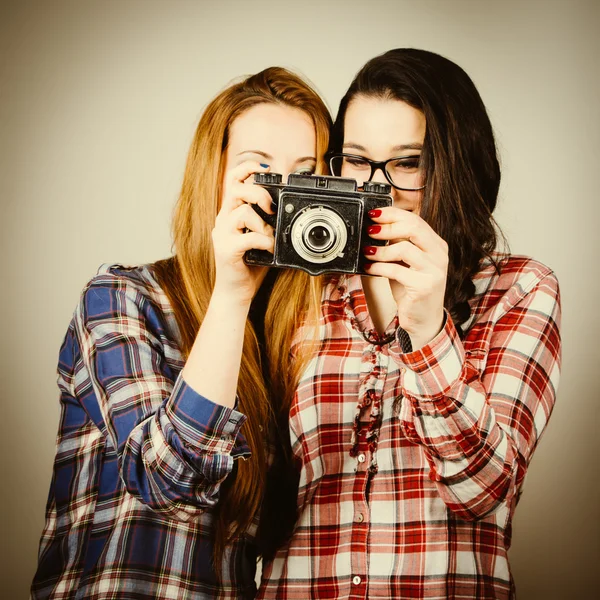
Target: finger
{"points": [[425, 240], [253, 194], [402, 251], [395, 223], [245, 217], [228, 246], [409, 278], [243, 171], [234, 178], [253, 241], [237, 193]]}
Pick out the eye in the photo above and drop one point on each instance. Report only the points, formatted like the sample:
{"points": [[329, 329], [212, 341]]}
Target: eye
{"points": [[305, 171], [405, 164], [356, 162]]}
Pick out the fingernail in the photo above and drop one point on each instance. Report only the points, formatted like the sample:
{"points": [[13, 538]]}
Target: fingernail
{"points": [[370, 250], [376, 212], [368, 265], [264, 166], [373, 229]]}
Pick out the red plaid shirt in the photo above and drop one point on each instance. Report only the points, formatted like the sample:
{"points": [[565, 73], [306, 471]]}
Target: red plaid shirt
{"points": [[412, 463]]}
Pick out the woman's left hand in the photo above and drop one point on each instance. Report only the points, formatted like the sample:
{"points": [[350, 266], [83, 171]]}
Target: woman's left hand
{"points": [[416, 264]]}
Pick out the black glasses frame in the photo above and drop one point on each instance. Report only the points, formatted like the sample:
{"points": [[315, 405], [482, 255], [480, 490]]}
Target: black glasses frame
{"points": [[376, 165]]}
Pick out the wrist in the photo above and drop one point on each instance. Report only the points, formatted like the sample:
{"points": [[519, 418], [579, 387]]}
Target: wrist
{"points": [[222, 301], [426, 335]]}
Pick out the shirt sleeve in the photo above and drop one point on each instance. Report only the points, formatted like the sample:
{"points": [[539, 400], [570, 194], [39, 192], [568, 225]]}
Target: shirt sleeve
{"points": [[174, 447], [479, 415]]}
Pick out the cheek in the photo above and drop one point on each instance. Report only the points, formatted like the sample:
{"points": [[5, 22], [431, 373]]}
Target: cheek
{"points": [[407, 200]]}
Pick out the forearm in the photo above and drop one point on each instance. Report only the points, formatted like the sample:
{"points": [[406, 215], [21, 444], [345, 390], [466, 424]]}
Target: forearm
{"points": [[213, 365], [187, 450], [174, 446], [474, 463], [478, 414]]}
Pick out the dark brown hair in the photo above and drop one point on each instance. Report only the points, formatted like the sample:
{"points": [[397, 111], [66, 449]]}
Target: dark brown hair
{"points": [[462, 172]]}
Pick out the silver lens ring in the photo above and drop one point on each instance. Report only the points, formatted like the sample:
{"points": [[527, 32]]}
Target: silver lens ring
{"points": [[322, 219]]}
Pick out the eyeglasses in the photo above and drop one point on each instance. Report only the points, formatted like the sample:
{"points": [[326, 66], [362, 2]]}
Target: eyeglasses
{"points": [[403, 172]]}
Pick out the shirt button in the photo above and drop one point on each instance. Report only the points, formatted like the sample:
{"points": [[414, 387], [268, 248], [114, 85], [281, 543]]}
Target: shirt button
{"points": [[356, 580], [361, 458], [360, 518]]}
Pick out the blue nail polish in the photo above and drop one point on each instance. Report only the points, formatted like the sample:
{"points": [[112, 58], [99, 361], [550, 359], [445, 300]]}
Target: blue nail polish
{"points": [[264, 166]]}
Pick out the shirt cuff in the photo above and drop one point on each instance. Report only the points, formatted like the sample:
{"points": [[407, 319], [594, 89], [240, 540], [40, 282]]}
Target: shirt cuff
{"points": [[204, 425], [432, 370]]}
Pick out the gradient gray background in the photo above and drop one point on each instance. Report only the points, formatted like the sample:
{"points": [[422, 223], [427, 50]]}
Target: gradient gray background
{"points": [[98, 104]]}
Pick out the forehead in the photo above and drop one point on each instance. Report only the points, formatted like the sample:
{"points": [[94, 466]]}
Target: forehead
{"points": [[380, 124], [272, 128]]}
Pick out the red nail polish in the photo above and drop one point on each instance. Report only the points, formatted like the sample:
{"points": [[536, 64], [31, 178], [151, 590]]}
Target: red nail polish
{"points": [[370, 250], [374, 229], [368, 265], [376, 212]]}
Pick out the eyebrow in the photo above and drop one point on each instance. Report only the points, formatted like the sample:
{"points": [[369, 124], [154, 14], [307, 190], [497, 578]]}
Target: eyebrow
{"points": [[400, 148], [269, 157], [259, 152]]}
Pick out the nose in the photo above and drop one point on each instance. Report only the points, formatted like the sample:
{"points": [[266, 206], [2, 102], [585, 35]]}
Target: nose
{"points": [[378, 175]]}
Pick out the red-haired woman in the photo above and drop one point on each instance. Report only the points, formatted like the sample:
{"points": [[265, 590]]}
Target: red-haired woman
{"points": [[159, 476]]}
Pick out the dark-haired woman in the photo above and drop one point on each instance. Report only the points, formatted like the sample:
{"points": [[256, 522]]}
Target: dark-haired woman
{"points": [[432, 381]]}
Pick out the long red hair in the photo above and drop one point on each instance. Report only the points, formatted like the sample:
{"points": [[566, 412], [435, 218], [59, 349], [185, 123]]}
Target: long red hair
{"points": [[188, 279]]}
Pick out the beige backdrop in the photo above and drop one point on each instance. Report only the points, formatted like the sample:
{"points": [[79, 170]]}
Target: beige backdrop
{"points": [[98, 103]]}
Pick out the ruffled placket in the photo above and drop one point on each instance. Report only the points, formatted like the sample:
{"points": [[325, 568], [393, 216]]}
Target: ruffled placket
{"points": [[369, 411], [368, 415]]}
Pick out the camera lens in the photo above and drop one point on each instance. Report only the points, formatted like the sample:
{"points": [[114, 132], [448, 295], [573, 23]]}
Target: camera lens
{"points": [[319, 234], [318, 237]]}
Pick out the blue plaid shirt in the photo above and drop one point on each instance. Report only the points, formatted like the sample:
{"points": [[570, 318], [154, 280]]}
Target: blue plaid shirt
{"points": [[140, 459]]}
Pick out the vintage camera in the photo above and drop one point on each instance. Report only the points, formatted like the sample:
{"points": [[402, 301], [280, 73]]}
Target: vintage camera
{"points": [[320, 222]]}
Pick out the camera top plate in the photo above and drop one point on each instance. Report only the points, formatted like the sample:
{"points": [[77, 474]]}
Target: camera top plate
{"points": [[329, 183], [307, 182]]}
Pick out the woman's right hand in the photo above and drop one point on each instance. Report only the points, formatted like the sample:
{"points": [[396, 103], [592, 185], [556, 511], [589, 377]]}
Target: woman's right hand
{"points": [[238, 228]]}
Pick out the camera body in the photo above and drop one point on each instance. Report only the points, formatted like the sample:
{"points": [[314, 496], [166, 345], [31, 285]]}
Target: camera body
{"points": [[320, 222]]}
